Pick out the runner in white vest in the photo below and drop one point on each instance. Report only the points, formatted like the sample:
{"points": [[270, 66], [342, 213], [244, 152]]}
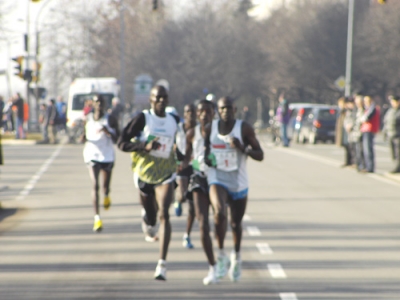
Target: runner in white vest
{"points": [[198, 187], [228, 144], [101, 132], [150, 138]]}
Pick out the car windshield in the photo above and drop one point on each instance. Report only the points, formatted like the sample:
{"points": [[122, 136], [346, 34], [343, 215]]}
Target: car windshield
{"points": [[78, 100], [328, 114]]}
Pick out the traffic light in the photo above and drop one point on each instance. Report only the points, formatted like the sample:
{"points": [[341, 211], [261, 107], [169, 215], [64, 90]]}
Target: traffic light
{"points": [[18, 68], [155, 4], [28, 75], [382, 1]]}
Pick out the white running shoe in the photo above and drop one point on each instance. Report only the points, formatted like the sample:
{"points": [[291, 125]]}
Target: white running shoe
{"points": [[235, 270], [222, 266], [161, 272], [211, 277], [149, 231]]}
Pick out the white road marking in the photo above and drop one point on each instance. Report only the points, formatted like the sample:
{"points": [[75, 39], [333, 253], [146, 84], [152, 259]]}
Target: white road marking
{"points": [[276, 271], [246, 217], [264, 248], [34, 179], [288, 296], [253, 231]]}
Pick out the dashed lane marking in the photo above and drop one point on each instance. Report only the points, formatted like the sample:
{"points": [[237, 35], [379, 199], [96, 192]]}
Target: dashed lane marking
{"points": [[288, 296], [246, 217], [276, 271], [253, 231], [264, 248], [34, 179]]}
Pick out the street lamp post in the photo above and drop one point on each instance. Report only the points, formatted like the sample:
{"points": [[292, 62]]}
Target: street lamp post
{"points": [[349, 51], [122, 55]]}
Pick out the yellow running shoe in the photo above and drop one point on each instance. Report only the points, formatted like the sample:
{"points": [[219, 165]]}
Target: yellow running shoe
{"points": [[107, 202], [98, 225]]}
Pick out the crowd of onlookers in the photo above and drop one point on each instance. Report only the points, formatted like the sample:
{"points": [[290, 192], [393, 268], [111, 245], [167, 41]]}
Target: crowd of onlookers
{"points": [[357, 124]]}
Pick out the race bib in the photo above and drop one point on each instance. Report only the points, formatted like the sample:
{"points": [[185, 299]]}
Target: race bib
{"points": [[227, 160], [164, 150]]}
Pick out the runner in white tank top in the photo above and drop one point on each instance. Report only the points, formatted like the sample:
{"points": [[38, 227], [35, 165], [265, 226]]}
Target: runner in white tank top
{"points": [[228, 143], [101, 132]]}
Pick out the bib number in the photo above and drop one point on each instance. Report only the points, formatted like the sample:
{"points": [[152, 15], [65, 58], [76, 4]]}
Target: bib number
{"points": [[226, 160], [164, 150]]}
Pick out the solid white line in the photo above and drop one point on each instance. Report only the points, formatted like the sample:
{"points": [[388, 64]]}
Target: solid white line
{"points": [[264, 248], [253, 231], [276, 271], [313, 157], [246, 217], [288, 296], [35, 178]]}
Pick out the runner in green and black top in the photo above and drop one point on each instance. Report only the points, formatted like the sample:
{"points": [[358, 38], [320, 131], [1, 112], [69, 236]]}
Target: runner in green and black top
{"points": [[198, 187], [182, 179], [151, 138]]}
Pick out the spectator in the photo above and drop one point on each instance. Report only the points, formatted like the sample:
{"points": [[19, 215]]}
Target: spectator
{"points": [[341, 136], [2, 104], [392, 130], [18, 103], [283, 116], [51, 121], [8, 120], [42, 121], [369, 127], [88, 107], [356, 132], [245, 114], [61, 107], [348, 124]]}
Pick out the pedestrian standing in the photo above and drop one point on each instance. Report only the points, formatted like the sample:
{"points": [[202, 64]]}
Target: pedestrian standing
{"points": [[392, 130], [150, 138], [283, 116], [183, 174], [51, 121], [101, 132], [18, 103], [348, 124], [369, 127], [2, 104], [341, 135], [357, 134], [229, 141], [61, 107]]}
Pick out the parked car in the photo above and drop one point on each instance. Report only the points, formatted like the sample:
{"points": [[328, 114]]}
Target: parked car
{"points": [[319, 125]]}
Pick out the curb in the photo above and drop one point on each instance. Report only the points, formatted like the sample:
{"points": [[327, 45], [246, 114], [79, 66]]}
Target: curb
{"points": [[17, 142], [395, 177]]}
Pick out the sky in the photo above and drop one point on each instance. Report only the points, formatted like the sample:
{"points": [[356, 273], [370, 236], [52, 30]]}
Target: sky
{"points": [[12, 43]]}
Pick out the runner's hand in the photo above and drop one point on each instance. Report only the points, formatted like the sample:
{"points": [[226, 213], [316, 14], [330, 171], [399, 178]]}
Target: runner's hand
{"points": [[152, 145], [235, 143]]}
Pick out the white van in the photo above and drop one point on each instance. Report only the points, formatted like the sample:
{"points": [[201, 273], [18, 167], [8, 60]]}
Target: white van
{"points": [[82, 89]]}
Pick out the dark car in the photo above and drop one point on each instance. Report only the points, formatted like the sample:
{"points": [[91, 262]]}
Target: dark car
{"points": [[319, 125]]}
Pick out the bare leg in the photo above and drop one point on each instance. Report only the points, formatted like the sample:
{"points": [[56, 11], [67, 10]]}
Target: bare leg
{"points": [[190, 218], [106, 181], [201, 205], [150, 206], [218, 198], [237, 209], [164, 196], [94, 172], [181, 189]]}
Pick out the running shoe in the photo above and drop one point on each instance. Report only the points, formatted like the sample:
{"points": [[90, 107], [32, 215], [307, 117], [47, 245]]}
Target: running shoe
{"points": [[222, 266], [235, 270], [98, 225], [211, 277], [148, 230], [161, 272], [107, 202], [178, 208], [187, 243]]}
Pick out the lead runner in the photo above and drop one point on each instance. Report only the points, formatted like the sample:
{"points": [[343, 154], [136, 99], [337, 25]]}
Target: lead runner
{"points": [[228, 143]]}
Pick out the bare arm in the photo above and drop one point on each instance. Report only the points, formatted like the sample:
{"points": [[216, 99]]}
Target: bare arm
{"points": [[251, 145], [189, 148]]}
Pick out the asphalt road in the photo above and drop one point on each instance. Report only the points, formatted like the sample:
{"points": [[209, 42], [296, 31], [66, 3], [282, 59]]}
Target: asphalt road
{"points": [[312, 230]]}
